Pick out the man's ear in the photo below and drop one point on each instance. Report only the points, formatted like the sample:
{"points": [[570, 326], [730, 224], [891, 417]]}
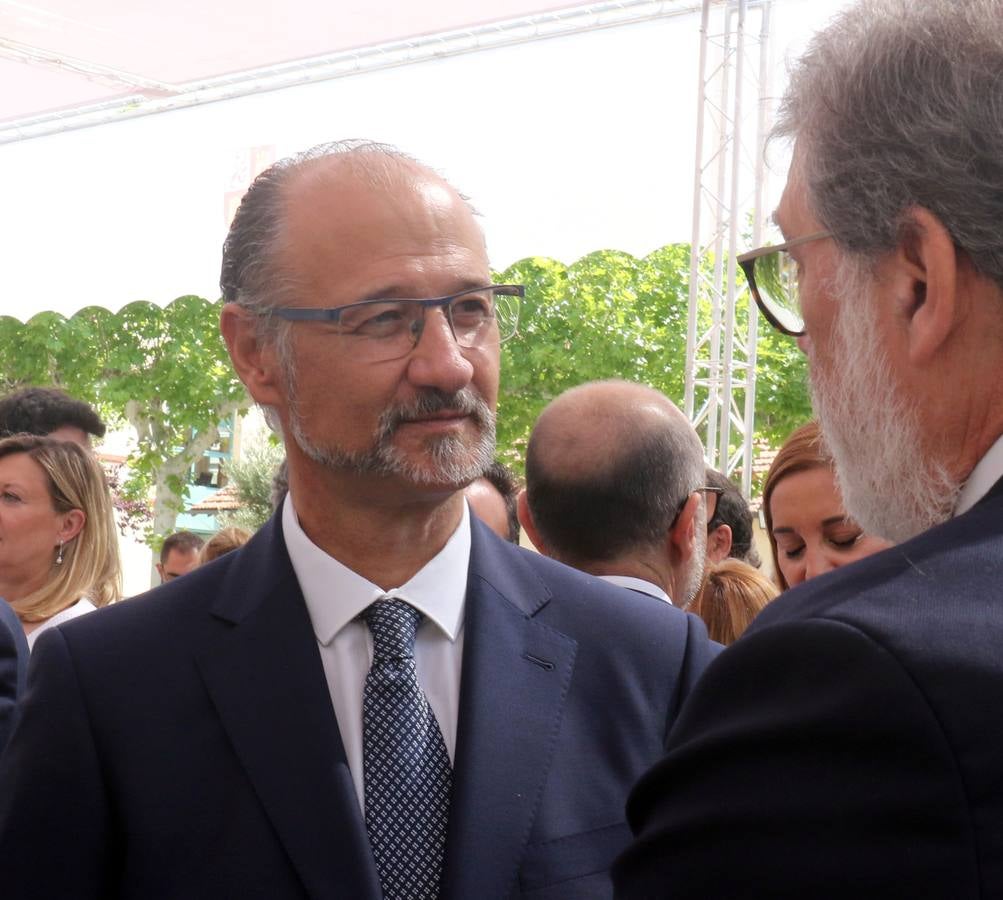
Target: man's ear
{"points": [[682, 536], [925, 272], [719, 543], [256, 364], [527, 523]]}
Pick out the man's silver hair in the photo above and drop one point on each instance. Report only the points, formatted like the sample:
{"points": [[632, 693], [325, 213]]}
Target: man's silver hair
{"points": [[899, 103]]}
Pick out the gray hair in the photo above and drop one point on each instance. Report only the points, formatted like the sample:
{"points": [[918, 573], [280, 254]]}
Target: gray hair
{"points": [[899, 103], [251, 276]]}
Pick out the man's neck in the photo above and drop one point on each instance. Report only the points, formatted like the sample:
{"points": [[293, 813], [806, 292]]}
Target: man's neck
{"points": [[633, 568], [385, 536]]}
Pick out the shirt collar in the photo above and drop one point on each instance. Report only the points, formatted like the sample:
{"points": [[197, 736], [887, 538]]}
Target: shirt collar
{"points": [[335, 595], [637, 584], [986, 473]]}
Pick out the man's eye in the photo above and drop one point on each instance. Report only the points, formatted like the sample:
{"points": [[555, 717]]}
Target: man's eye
{"points": [[374, 321], [794, 552], [471, 308]]}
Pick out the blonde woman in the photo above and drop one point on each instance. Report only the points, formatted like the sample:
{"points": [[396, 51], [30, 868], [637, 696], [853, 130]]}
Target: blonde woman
{"points": [[223, 542], [733, 593], [58, 543]]}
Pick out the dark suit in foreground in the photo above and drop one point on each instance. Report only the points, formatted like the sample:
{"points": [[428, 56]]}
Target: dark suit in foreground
{"points": [[184, 745], [13, 669], [850, 745]]}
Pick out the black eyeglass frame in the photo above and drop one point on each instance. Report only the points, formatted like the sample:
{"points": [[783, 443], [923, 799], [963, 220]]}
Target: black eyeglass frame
{"points": [[703, 489], [748, 263], [313, 314]]}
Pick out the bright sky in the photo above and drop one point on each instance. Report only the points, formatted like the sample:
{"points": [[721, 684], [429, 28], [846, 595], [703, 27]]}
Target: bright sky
{"points": [[565, 146]]}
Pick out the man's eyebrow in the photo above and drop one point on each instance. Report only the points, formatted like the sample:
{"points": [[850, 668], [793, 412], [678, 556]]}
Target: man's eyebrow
{"points": [[396, 292], [783, 530], [834, 520]]}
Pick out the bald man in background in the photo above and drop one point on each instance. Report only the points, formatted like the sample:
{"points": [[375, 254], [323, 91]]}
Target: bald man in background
{"points": [[615, 487]]}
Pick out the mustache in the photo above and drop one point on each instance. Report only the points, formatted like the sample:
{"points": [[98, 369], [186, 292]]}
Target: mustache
{"points": [[465, 402]]}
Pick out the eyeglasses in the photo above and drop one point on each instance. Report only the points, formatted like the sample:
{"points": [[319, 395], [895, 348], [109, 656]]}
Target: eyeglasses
{"points": [[389, 329], [772, 274], [706, 489]]}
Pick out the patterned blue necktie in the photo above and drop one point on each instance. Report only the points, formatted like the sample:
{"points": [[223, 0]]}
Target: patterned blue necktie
{"points": [[406, 772]]}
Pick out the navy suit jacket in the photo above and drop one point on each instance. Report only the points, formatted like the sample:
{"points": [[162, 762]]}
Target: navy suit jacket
{"points": [[183, 744], [850, 744], [13, 669]]}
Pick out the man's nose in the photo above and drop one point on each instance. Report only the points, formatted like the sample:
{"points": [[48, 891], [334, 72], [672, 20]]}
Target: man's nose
{"points": [[437, 359]]}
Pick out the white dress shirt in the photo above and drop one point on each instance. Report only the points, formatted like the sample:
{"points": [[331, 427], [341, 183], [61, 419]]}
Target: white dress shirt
{"points": [[638, 584], [986, 473], [335, 596], [83, 605]]}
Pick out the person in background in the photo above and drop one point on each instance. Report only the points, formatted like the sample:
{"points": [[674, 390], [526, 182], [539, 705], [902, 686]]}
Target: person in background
{"points": [[13, 669], [849, 743], [179, 554], [809, 530], [493, 499], [729, 522], [732, 595], [221, 542], [615, 487], [49, 411], [58, 541]]}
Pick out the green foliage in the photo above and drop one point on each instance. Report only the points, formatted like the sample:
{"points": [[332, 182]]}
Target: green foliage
{"points": [[164, 370], [253, 474], [611, 315]]}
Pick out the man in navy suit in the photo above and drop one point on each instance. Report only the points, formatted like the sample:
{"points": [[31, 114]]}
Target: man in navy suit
{"points": [[232, 735], [13, 668], [849, 744]]}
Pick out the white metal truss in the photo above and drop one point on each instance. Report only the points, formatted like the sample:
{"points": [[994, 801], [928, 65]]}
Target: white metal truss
{"points": [[732, 120], [157, 96]]}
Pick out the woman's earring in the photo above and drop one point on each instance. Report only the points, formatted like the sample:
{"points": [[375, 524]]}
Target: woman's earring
{"points": [[59, 555]]}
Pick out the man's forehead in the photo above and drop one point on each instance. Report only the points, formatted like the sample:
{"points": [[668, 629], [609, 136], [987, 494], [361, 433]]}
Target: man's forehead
{"points": [[347, 217], [793, 204]]}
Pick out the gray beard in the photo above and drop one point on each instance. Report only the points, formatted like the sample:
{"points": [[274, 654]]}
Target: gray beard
{"points": [[695, 575], [450, 461], [873, 434]]}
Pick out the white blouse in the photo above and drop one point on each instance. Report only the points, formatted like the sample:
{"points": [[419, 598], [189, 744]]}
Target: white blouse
{"points": [[82, 606]]}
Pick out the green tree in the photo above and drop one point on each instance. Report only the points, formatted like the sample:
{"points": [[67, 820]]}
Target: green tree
{"points": [[165, 371], [608, 315], [253, 474]]}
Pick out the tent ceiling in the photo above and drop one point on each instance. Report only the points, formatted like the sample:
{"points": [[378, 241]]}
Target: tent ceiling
{"points": [[63, 55]]}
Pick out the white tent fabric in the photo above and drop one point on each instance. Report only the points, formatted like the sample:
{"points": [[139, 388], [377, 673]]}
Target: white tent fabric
{"points": [[566, 145]]}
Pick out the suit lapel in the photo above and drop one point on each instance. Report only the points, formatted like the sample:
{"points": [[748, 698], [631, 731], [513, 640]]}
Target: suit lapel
{"points": [[267, 682], [515, 676]]}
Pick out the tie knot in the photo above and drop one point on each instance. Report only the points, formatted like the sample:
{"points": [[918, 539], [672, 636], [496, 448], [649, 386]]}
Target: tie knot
{"points": [[393, 624]]}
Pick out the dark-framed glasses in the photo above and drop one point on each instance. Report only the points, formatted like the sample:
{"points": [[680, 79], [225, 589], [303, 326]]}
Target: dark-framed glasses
{"points": [[703, 489], [391, 328], [772, 274]]}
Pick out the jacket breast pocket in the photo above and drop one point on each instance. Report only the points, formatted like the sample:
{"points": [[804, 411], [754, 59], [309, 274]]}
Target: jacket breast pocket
{"points": [[575, 866]]}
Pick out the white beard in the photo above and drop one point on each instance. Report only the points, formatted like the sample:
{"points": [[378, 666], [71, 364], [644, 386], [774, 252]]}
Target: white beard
{"points": [[872, 432], [695, 573]]}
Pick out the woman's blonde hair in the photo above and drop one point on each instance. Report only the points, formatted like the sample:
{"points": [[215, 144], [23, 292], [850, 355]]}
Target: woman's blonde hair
{"points": [[90, 565], [733, 593], [223, 542]]}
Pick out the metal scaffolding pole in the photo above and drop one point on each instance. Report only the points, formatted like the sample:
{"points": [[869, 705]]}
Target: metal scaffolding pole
{"points": [[729, 178]]}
